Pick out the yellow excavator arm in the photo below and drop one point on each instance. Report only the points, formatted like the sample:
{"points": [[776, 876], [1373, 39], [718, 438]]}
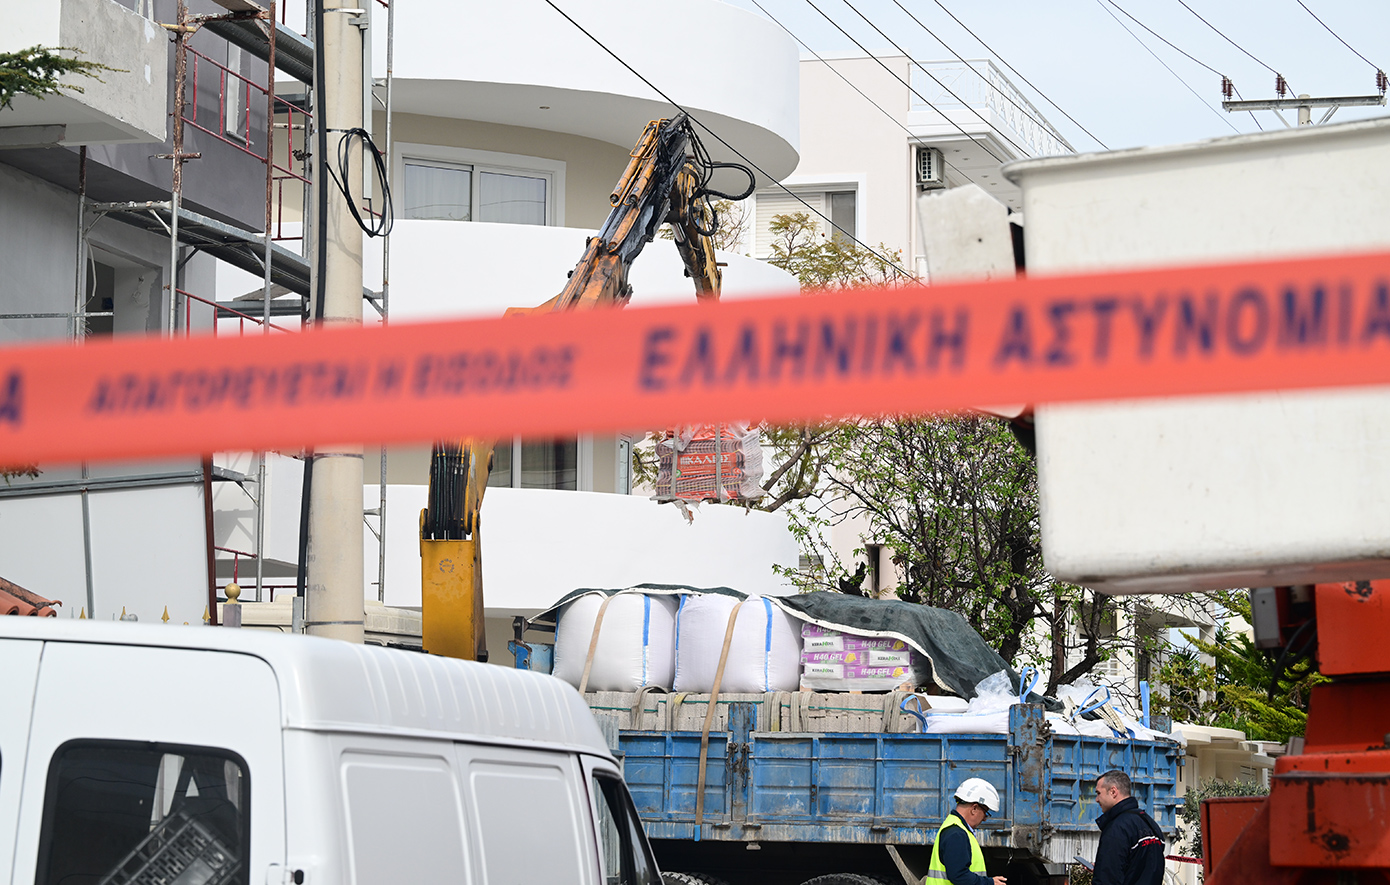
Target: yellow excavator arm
{"points": [[667, 179]]}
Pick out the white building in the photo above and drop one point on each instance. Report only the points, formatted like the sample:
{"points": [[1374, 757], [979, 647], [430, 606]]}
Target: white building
{"points": [[509, 129]]}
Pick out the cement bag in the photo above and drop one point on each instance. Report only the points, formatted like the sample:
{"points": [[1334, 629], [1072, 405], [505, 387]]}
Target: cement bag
{"points": [[764, 654], [635, 642]]}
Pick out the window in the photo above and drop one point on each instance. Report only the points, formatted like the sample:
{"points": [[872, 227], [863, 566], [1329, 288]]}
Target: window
{"points": [[235, 107], [623, 485], [535, 464], [438, 190], [124, 812], [840, 205], [625, 856], [462, 185]]}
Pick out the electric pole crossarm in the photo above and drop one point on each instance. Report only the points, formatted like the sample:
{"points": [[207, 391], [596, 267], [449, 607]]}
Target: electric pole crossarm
{"points": [[1276, 104]]}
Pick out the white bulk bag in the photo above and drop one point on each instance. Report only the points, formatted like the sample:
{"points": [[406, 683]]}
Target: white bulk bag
{"points": [[635, 641], [764, 654]]}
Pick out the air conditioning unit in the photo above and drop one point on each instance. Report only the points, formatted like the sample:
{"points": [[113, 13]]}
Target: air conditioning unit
{"points": [[931, 168]]}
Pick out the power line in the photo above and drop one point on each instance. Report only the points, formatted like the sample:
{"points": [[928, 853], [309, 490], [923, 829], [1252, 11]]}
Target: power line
{"points": [[1015, 71], [1190, 56], [1279, 78], [1030, 114], [862, 93], [1018, 147], [671, 101], [1164, 63], [909, 86], [1338, 36]]}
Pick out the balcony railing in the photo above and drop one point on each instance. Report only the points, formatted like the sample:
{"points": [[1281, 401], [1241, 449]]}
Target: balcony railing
{"points": [[981, 86]]}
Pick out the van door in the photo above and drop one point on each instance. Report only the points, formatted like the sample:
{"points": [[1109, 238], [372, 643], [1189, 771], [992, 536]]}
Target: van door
{"points": [[19, 662], [625, 856], [403, 809], [528, 816], [152, 759]]}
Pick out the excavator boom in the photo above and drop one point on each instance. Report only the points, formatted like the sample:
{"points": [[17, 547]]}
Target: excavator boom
{"points": [[667, 180]]}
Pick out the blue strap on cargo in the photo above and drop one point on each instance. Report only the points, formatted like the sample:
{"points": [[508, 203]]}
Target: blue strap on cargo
{"points": [[1027, 681], [916, 714], [767, 641], [646, 633]]}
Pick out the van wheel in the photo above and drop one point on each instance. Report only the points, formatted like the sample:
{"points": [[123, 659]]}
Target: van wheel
{"points": [[844, 879]]}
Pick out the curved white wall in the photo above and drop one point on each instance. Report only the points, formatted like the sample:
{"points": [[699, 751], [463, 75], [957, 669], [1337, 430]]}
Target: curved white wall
{"points": [[521, 63], [455, 269], [541, 544]]}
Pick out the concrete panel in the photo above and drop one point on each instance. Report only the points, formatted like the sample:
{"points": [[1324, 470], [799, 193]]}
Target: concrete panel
{"points": [[1223, 491], [41, 548], [148, 552]]}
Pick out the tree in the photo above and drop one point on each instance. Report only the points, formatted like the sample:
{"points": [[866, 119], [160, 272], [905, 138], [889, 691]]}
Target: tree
{"points": [[820, 261], [36, 71], [1243, 687]]}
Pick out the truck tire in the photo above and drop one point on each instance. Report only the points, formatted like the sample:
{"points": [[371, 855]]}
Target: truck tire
{"points": [[844, 879]]}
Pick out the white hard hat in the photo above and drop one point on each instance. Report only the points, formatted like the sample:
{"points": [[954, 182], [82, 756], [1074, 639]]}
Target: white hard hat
{"points": [[979, 790]]}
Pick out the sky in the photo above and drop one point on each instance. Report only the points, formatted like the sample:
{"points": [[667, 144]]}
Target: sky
{"points": [[1079, 55]]}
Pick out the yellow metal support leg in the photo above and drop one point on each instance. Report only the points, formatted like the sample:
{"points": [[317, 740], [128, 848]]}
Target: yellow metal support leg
{"points": [[452, 599]]}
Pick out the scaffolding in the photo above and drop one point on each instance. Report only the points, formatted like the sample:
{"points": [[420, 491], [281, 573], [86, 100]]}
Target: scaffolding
{"points": [[254, 28]]}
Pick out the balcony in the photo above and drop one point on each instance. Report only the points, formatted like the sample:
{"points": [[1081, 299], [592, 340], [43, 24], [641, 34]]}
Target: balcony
{"points": [[522, 64], [127, 105]]}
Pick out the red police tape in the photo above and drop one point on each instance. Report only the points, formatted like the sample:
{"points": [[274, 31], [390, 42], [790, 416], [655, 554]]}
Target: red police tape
{"points": [[1197, 330]]}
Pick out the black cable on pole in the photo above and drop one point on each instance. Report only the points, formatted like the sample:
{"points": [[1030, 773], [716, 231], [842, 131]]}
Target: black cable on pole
{"points": [[1186, 54], [1016, 71], [320, 275], [862, 94], [742, 156], [1031, 114], [1278, 75], [894, 74], [1338, 36], [1165, 65], [380, 226]]}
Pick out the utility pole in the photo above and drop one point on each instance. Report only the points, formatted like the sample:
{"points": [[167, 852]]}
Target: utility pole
{"points": [[334, 588]]}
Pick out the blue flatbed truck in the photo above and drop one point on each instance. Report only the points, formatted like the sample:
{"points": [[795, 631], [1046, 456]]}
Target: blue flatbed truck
{"points": [[786, 808]]}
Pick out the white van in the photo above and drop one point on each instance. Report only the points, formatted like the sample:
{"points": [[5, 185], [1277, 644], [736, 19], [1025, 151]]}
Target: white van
{"points": [[196, 756]]}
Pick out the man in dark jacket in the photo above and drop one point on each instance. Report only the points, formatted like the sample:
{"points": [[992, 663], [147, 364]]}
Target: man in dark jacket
{"points": [[1131, 843]]}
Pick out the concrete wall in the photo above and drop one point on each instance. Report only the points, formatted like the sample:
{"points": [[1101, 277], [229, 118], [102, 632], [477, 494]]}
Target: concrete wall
{"points": [[539, 545], [125, 104], [847, 139]]}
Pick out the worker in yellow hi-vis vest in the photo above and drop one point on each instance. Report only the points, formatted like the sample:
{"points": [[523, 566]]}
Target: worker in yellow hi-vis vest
{"points": [[956, 856]]}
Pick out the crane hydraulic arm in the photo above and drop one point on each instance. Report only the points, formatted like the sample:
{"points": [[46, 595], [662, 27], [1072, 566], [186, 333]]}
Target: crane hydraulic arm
{"points": [[667, 179]]}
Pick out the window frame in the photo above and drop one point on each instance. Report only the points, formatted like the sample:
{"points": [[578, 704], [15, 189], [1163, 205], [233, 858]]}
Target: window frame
{"points": [[553, 171], [631, 822], [823, 186], [50, 793]]}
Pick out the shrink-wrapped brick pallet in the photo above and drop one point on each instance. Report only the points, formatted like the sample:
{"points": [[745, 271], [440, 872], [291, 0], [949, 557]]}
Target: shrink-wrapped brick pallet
{"points": [[835, 660]]}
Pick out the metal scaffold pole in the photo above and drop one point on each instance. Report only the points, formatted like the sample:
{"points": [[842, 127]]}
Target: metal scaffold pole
{"points": [[265, 290], [385, 292]]}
